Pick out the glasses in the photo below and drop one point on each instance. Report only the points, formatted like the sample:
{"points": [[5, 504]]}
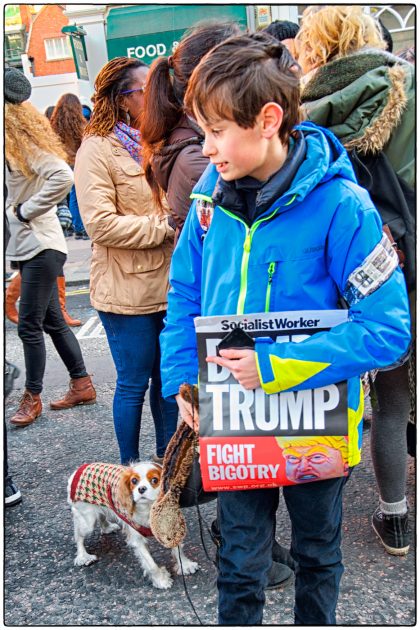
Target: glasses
{"points": [[141, 89]]}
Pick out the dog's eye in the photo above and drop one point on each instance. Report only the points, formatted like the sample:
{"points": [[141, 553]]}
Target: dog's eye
{"points": [[134, 481], [154, 481]]}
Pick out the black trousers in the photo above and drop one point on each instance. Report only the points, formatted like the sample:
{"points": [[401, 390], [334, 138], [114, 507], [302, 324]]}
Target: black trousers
{"points": [[40, 312]]}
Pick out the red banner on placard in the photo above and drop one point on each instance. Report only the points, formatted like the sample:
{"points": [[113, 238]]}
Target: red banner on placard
{"points": [[268, 462]]}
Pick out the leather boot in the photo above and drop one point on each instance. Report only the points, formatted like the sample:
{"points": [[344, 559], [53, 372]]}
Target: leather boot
{"points": [[81, 392], [30, 407], [70, 321], [12, 296]]}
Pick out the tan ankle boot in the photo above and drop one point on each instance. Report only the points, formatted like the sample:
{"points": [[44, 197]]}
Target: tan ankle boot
{"points": [[12, 296], [30, 407], [81, 392], [70, 321]]}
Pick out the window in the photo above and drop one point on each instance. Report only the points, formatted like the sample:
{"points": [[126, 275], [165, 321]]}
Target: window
{"points": [[57, 48], [14, 45]]}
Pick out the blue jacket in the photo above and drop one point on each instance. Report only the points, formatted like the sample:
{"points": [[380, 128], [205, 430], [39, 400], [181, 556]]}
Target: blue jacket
{"points": [[318, 242]]}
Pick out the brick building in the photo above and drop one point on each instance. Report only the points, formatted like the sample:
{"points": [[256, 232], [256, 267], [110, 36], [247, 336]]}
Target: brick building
{"points": [[48, 50]]}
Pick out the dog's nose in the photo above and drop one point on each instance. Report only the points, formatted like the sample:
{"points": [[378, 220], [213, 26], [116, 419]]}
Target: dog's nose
{"points": [[142, 489]]}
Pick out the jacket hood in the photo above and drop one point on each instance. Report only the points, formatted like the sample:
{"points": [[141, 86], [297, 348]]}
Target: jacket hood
{"points": [[325, 158], [187, 132], [360, 97]]}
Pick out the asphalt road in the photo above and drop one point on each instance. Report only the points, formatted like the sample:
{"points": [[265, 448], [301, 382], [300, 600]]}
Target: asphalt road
{"points": [[41, 585]]}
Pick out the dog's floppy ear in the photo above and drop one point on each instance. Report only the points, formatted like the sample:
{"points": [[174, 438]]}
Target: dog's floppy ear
{"points": [[128, 480]]}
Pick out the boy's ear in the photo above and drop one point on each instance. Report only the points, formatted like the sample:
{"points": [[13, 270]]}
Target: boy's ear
{"points": [[270, 118]]}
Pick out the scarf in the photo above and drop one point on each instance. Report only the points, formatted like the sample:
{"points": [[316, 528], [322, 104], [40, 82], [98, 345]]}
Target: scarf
{"points": [[130, 139]]}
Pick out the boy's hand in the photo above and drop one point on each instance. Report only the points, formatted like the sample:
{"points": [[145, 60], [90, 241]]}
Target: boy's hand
{"points": [[242, 364], [186, 413]]}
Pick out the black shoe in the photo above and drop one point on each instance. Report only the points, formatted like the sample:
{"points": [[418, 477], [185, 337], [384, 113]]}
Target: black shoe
{"points": [[11, 372], [12, 495], [78, 236], [278, 575], [283, 556], [392, 531]]}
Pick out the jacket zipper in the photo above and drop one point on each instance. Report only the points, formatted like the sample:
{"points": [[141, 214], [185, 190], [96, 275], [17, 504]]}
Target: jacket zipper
{"points": [[271, 271], [249, 233]]}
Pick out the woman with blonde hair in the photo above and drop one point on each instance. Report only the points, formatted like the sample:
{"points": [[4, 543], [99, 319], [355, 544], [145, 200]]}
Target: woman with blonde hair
{"points": [[37, 177], [132, 247], [67, 121], [365, 95]]}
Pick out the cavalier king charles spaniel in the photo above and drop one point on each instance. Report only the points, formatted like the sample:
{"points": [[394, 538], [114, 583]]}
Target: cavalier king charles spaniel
{"points": [[115, 496]]}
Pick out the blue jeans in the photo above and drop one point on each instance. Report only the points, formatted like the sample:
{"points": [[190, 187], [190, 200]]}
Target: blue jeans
{"points": [[75, 212], [134, 345], [247, 521]]}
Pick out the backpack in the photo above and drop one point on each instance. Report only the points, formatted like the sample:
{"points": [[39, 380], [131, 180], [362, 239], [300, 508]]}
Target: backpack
{"points": [[395, 201]]}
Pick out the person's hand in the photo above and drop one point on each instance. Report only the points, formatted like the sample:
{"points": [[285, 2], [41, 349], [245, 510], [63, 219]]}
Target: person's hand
{"points": [[186, 413], [241, 363]]}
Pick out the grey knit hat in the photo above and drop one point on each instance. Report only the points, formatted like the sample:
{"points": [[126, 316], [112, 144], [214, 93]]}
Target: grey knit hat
{"points": [[16, 86], [282, 29]]}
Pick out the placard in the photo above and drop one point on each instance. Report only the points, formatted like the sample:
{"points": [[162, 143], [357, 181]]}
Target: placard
{"points": [[249, 439]]}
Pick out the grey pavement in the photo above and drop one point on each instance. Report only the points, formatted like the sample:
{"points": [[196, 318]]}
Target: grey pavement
{"points": [[42, 587], [77, 265]]}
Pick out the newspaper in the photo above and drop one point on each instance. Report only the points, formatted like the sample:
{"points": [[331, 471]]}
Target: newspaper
{"points": [[249, 439]]}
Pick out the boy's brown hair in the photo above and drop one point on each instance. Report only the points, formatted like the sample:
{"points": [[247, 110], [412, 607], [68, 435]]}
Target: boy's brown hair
{"points": [[239, 76]]}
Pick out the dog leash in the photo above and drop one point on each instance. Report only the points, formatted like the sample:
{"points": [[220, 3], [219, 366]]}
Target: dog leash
{"points": [[196, 499]]}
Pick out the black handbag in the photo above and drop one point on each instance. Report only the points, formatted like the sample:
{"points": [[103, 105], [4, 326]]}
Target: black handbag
{"points": [[193, 493]]}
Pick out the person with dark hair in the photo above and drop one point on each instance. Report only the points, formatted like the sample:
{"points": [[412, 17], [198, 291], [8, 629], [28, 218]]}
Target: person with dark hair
{"points": [[172, 140], [49, 111], [63, 211], [285, 32], [290, 230], [386, 36], [174, 162], [132, 247], [37, 176], [68, 122]]}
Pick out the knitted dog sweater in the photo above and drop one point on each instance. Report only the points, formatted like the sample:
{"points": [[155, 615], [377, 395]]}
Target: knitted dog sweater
{"points": [[98, 484]]}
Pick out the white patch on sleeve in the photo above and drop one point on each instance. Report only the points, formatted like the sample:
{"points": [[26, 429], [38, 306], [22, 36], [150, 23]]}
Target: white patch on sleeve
{"points": [[372, 273]]}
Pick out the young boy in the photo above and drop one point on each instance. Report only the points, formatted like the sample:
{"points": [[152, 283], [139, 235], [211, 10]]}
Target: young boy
{"points": [[281, 193]]}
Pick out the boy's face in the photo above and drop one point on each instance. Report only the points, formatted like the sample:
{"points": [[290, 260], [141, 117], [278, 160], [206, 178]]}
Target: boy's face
{"points": [[237, 152]]}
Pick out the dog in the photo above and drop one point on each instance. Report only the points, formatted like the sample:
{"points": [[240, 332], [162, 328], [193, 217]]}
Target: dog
{"points": [[116, 496]]}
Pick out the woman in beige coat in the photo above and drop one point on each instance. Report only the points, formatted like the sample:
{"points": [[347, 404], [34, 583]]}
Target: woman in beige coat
{"points": [[132, 247]]}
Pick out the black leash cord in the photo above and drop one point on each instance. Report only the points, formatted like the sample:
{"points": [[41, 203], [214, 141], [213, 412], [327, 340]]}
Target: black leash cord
{"points": [[179, 550], [185, 588], [201, 521]]}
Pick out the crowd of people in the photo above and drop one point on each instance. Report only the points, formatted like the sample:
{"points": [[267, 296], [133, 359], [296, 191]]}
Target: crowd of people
{"points": [[234, 138]]}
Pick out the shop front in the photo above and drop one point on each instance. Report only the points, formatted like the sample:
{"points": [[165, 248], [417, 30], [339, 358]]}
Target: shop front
{"points": [[149, 31]]}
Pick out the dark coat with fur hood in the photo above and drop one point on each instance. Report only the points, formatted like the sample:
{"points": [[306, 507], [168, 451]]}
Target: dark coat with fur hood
{"points": [[367, 100]]}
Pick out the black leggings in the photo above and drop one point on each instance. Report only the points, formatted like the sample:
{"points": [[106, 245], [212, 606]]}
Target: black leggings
{"points": [[388, 433], [39, 312]]}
